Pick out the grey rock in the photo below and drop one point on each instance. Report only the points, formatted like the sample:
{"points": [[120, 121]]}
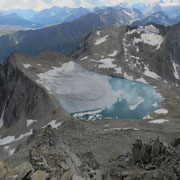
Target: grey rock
{"points": [[40, 175], [156, 148], [137, 146], [74, 177], [23, 170]]}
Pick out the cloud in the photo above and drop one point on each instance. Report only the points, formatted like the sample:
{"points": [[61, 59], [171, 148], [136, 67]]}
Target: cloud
{"points": [[34, 4], [42, 4]]}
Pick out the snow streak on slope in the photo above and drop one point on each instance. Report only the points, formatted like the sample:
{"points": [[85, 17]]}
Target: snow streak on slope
{"points": [[175, 70], [10, 139], [101, 40], [150, 74], [2, 115]]}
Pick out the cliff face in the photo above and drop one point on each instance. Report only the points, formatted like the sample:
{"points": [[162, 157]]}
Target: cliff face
{"points": [[22, 99]]}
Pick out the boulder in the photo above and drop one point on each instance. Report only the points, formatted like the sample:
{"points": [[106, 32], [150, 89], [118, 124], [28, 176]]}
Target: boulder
{"points": [[74, 177], [137, 146], [3, 169], [40, 175], [156, 147], [23, 170]]}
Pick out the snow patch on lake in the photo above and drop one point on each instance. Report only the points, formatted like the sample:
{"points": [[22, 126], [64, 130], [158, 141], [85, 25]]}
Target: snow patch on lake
{"points": [[101, 40], [133, 107], [93, 115], [155, 104]]}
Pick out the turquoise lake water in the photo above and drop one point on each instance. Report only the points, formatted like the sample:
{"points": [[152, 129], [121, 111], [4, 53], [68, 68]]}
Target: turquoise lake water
{"points": [[134, 101]]}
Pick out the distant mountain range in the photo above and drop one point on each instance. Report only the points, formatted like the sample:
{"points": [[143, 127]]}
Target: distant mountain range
{"points": [[23, 13], [58, 15], [170, 7], [75, 24], [64, 37], [157, 17], [15, 20], [166, 12]]}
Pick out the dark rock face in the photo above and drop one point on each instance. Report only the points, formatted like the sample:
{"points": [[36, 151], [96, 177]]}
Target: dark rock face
{"points": [[22, 99]]}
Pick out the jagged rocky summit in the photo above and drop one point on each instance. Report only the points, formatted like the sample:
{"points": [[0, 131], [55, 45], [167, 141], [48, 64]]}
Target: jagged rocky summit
{"points": [[50, 158]]}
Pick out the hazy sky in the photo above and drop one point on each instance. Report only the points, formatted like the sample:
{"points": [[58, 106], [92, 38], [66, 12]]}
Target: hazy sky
{"points": [[42, 4]]}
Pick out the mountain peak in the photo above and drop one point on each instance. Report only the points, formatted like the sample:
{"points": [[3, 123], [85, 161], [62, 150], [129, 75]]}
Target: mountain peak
{"points": [[170, 3]]}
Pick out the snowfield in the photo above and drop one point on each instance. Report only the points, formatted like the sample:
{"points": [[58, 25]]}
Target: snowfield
{"points": [[148, 35], [78, 89]]}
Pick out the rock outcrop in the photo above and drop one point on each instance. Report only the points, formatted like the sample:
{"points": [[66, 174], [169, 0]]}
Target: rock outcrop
{"points": [[50, 158], [25, 105]]}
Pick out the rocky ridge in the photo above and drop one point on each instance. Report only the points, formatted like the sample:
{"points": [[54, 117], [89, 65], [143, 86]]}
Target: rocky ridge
{"points": [[50, 158]]}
